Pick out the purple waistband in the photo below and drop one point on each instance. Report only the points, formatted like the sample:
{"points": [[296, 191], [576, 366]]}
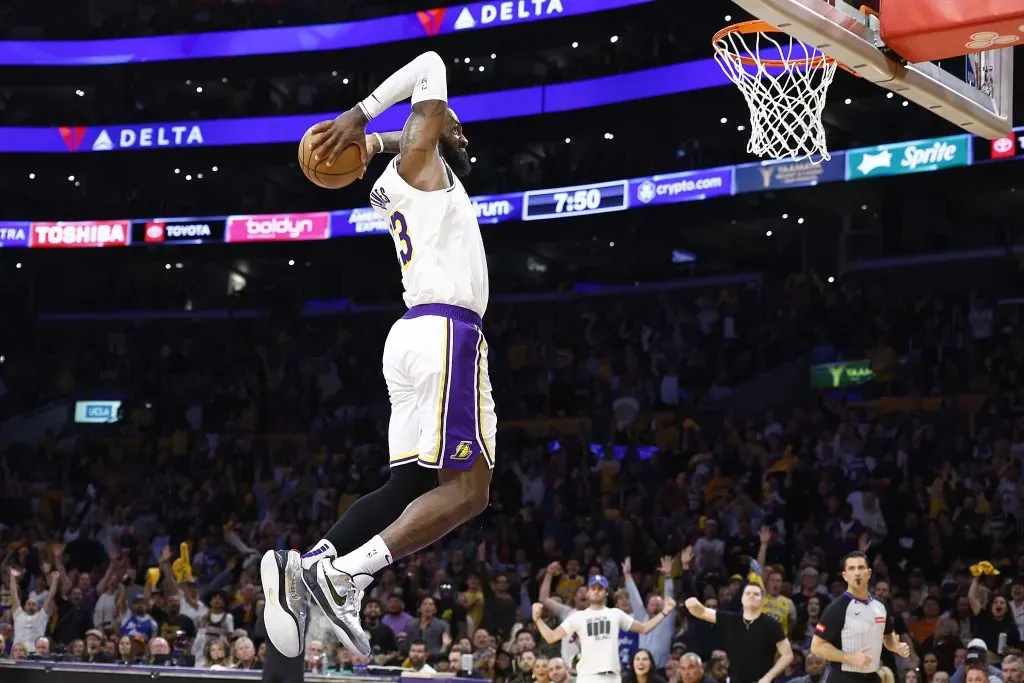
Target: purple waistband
{"points": [[446, 311]]}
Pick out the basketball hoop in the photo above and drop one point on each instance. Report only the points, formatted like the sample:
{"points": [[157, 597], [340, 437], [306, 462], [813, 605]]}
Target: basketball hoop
{"points": [[786, 95]]}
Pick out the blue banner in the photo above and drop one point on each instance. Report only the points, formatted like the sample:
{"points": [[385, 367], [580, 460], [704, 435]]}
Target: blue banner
{"points": [[272, 41], [492, 106], [783, 175]]}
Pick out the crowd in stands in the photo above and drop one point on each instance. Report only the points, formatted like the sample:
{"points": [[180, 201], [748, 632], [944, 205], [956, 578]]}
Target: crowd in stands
{"points": [[141, 545]]}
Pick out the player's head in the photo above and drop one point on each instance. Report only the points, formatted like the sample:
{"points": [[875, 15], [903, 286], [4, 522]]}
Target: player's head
{"points": [[753, 596], [856, 571], [597, 591], [453, 145]]}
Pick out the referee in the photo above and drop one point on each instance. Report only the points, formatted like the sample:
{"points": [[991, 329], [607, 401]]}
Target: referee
{"points": [[854, 627], [752, 639]]}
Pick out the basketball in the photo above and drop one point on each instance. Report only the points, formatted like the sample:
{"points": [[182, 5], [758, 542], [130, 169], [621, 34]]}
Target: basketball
{"points": [[343, 173]]}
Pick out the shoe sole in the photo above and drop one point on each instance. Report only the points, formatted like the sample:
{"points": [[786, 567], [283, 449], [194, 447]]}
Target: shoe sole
{"points": [[281, 623], [326, 606]]}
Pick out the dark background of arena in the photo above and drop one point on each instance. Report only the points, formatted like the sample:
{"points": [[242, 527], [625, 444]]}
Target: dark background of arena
{"points": [[641, 399]]}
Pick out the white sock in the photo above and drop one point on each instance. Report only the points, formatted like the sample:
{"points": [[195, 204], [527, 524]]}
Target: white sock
{"points": [[323, 549], [363, 562]]}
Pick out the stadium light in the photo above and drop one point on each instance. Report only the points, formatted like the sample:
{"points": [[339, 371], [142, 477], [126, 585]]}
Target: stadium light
{"points": [[71, 178], [31, 176], [800, 221], [724, 120], [472, 160], [575, 44], [768, 233], [568, 140], [831, 279], [614, 39], [344, 81], [214, 169]]}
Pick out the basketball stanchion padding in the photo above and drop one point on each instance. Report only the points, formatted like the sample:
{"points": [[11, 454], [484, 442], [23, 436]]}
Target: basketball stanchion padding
{"points": [[932, 30], [785, 83]]}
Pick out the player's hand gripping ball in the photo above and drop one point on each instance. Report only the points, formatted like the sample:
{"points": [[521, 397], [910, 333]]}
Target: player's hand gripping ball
{"points": [[332, 154]]}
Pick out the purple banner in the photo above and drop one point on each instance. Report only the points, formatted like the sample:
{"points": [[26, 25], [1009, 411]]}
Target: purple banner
{"points": [[504, 104], [691, 186], [270, 41], [14, 233]]}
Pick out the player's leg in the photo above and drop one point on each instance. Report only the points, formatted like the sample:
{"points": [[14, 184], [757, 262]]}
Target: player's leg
{"points": [[280, 669], [457, 425], [286, 594]]}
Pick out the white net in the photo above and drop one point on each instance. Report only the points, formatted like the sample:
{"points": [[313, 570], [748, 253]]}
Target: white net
{"points": [[785, 88]]}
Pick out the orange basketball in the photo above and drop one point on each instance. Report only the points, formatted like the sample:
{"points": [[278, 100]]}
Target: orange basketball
{"points": [[344, 172]]}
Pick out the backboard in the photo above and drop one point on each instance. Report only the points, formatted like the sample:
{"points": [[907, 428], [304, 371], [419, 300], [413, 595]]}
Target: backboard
{"points": [[982, 105]]}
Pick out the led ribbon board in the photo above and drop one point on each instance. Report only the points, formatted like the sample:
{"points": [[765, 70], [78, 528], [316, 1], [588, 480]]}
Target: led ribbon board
{"points": [[273, 41]]}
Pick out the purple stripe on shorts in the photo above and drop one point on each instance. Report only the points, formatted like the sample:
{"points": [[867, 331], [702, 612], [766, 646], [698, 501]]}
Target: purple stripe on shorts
{"points": [[461, 444]]}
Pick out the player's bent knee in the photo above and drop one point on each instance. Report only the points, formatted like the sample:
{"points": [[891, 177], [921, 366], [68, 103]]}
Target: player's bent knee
{"points": [[469, 490]]}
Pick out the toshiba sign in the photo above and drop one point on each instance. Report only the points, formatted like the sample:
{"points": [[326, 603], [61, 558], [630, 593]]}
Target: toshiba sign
{"points": [[288, 227], [70, 234]]}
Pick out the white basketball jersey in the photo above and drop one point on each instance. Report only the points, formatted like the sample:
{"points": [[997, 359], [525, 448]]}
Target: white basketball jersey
{"points": [[437, 239]]}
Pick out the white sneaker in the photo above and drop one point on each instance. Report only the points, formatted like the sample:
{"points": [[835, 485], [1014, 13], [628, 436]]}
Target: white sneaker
{"points": [[341, 601], [287, 609]]}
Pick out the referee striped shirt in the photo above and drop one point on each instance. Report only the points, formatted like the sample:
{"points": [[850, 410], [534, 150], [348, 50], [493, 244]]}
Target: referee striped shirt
{"points": [[854, 625]]}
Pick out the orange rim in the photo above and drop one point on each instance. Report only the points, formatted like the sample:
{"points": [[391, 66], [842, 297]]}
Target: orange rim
{"points": [[759, 26]]}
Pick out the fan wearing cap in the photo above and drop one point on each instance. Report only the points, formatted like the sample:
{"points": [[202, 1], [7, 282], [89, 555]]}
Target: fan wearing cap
{"points": [[977, 656], [597, 628]]}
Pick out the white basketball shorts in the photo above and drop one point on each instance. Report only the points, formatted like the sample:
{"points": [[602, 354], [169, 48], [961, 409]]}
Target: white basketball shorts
{"points": [[442, 412]]}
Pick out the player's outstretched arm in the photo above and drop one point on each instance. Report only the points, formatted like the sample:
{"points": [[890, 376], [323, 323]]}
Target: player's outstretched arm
{"points": [[424, 79]]}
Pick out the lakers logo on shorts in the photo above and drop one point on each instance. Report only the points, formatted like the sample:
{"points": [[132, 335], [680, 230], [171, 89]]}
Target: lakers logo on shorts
{"points": [[464, 451]]}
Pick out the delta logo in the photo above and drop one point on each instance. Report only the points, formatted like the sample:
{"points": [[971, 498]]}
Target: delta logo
{"points": [[134, 138], [431, 19], [506, 12], [72, 234]]}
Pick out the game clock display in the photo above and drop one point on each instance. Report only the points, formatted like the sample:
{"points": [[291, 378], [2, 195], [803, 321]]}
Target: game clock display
{"points": [[580, 200]]}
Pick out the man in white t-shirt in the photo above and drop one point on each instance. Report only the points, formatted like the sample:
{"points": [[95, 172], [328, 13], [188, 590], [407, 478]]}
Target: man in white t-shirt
{"points": [[29, 620], [597, 629]]}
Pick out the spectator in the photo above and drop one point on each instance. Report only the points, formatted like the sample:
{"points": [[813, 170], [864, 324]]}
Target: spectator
{"points": [[137, 623], [159, 651], [383, 644], [642, 669], [94, 648], [396, 618], [215, 655], [558, 672], [42, 648], [30, 621], [243, 654], [658, 642], [994, 625], [434, 632], [418, 658]]}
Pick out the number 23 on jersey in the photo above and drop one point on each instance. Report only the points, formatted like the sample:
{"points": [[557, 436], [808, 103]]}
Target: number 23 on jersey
{"points": [[403, 242]]}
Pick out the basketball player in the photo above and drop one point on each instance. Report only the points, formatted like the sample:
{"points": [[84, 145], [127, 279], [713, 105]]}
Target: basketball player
{"points": [[854, 627], [597, 628], [441, 434]]}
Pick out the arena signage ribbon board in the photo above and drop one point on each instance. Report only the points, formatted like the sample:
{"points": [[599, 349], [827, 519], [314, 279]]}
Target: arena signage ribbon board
{"points": [[917, 156], [97, 412], [783, 175], [578, 200], [272, 41], [78, 234], [690, 186], [178, 231], [842, 374], [492, 106], [14, 234], [282, 227]]}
